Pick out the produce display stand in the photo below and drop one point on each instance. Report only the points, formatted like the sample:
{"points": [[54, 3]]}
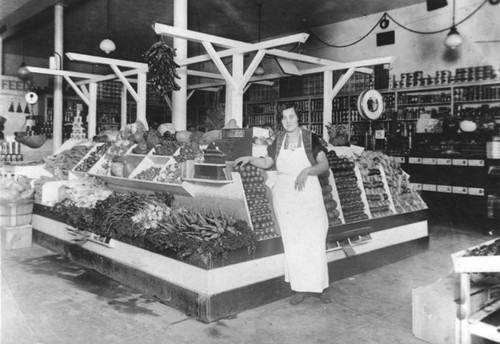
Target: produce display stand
{"points": [[219, 287], [471, 321]]}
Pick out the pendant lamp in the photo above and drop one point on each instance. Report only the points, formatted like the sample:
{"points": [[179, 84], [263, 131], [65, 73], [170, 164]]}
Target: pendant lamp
{"points": [[453, 40], [107, 45], [259, 70], [23, 73]]}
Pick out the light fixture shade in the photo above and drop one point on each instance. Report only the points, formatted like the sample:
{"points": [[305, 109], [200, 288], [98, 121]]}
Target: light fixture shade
{"points": [[259, 70], [107, 45], [453, 40], [23, 73]]}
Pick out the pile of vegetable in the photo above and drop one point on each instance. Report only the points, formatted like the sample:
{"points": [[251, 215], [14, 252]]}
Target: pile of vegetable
{"points": [[15, 189], [95, 154], [258, 203], [149, 221], [170, 174], [378, 199], [349, 192], [162, 68], [404, 197], [86, 192], [491, 249], [330, 204], [67, 159]]}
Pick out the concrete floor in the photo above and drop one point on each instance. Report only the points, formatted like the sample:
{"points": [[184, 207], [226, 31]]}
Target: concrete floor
{"points": [[47, 299]]}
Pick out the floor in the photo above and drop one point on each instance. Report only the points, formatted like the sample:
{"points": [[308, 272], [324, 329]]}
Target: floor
{"points": [[47, 299]]}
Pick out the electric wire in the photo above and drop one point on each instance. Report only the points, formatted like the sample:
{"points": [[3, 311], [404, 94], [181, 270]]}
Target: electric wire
{"points": [[398, 24]]}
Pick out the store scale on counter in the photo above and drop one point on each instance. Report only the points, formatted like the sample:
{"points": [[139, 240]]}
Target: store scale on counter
{"points": [[235, 142]]}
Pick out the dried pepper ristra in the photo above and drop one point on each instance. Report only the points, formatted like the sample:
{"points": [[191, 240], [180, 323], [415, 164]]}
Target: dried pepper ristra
{"points": [[162, 68]]}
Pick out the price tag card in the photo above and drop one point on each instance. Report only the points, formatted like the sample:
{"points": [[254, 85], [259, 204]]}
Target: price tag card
{"points": [[413, 160], [429, 161], [460, 190], [444, 188], [476, 162], [459, 162], [416, 186], [429, 187], [380, 134], [443, 161], [476, 191]]}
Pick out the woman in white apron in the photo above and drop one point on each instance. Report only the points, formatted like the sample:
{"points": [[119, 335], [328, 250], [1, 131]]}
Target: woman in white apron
{"points": [[299, 207]]}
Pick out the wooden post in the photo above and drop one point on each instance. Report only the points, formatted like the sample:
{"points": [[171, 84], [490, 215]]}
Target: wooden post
{"points": [[123, 112], [179, 98], [141, 101], [327, 102], [462, 333], [92, 116], [58, 80], [235, 111]]}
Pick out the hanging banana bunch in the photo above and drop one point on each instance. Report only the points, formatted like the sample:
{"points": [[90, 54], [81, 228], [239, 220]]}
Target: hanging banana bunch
{"points": [[162, 68]]}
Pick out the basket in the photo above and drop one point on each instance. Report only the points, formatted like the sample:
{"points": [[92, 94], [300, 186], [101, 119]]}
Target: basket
{"points": [[16, 213], [32, 141]]}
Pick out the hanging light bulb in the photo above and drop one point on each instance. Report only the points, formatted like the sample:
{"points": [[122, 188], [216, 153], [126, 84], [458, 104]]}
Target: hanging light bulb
{"points": [[107, 45], [453, 40], [23, 73]]}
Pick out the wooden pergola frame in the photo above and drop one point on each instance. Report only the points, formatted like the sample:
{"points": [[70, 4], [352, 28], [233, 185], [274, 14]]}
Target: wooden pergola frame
{"points": [[86, 87], [238, 81]]}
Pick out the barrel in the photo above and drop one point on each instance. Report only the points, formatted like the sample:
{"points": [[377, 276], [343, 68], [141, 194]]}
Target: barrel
{"points": [[16, 213]]}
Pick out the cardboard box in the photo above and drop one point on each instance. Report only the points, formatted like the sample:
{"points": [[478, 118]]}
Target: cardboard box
{"points": [[12, 238]]}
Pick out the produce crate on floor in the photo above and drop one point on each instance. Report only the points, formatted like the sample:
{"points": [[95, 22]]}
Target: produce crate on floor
{"points": [[16, 237]]}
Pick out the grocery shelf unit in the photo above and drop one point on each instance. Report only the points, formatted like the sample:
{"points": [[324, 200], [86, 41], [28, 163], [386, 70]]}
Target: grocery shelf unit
{"points": [[473, 321]]}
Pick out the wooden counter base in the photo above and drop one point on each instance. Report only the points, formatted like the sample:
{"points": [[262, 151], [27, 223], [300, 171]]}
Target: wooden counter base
{"points": [[216, 292]]}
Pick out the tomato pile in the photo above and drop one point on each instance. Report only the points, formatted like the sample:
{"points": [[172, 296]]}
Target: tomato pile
{"points": [[378, 199], [330, 204], [346, 182], [258, 203]]}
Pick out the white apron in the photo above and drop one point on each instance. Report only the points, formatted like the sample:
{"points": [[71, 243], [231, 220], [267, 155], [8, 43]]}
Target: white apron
{"points": [[303, 222]]}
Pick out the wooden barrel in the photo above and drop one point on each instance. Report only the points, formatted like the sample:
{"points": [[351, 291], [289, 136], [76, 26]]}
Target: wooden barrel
{"points": [[16, 213]]}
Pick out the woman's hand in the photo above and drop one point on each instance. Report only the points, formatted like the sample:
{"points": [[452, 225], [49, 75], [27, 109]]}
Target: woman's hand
{"points": [[300, 182], [243, 160]]}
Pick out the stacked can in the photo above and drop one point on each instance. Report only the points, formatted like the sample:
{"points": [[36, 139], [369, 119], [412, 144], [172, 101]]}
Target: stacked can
{"points": [[10, 151]]}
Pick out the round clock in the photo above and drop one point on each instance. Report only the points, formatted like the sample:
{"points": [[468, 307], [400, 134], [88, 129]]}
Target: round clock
{"points": [[370, 104]]}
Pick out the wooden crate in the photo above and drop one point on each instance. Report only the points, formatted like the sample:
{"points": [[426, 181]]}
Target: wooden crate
{"points": [[12, 238]]}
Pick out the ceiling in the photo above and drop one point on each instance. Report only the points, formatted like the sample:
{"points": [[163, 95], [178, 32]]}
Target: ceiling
{"points": [[28, 24]]}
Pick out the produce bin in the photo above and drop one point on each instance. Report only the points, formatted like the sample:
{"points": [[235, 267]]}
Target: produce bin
{"points": [[16, 213]]}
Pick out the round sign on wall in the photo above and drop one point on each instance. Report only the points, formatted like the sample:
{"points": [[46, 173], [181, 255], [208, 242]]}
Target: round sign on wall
{"points": [[370, 105]]}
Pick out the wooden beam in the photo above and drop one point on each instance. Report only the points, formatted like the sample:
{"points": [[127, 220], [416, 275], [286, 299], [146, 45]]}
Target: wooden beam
{"points": [[124, 80], [347, 65], [194, 36], [190, 94], [248, 47], [70, 74], [100, 78], [205, 74], [340, 83], [251, 69], [142, 67], [77, 90], [85, 90], [256, 79], [220, 65]]}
